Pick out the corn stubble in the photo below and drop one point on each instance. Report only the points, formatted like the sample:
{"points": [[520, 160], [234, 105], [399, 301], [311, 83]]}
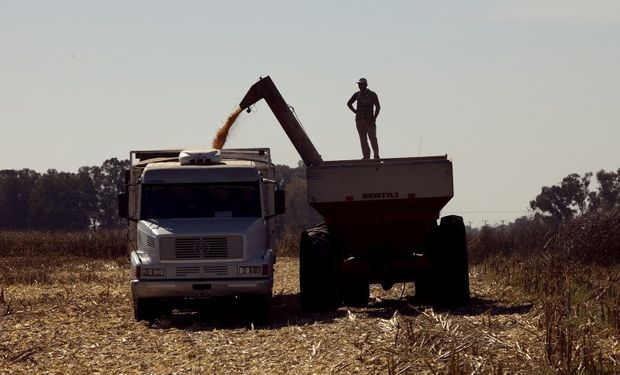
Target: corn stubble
{"points": [[575, 280], [79, 319], [65, 308]]}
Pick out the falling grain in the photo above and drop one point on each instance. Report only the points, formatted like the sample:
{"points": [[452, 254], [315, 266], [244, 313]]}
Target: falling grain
{"points": [[222, 133]]}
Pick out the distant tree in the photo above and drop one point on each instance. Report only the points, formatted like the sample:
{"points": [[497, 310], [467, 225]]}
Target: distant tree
{"points": [[299, 214], [59, 203], [111, 183], [101, 185], [608, 194], [527, 234], [62, 200], [87, 177], [284, 173], [15, 191], [558, 203]]}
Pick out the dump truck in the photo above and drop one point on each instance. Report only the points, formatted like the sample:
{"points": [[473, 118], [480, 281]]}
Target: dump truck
{"points": [[381, 222], [201, 227]]}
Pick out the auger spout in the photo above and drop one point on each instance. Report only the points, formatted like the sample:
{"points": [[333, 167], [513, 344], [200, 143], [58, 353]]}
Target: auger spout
{"points": [[266, 89]]}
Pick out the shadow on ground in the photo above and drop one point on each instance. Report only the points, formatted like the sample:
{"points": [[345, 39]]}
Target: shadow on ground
{"points": [[286, 311]]}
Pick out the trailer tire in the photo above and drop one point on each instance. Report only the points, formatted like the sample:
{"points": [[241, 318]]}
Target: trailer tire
{"points": [[446, 282], [457, 268], [318, 271]]}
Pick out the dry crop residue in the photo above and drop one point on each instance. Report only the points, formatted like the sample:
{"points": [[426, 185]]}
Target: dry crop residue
{"points": [[80, 321], [222, 134]]}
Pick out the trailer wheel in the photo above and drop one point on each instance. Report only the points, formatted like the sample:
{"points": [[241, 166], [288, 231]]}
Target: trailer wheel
{"points": [[318, 271], [454, 243], [425, 283], [447, 280]]}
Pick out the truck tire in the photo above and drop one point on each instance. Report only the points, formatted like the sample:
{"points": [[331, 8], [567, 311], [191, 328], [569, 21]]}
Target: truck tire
{"points": [[261, 309], [144, 309], [318, 271], [446, 282]]}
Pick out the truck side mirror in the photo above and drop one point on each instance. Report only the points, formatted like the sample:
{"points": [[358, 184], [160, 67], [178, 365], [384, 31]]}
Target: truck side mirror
{"points": [[279, 197], [123, 205]]}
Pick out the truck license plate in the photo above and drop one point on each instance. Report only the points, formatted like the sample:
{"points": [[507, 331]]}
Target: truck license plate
{"points": [[201, 290]]}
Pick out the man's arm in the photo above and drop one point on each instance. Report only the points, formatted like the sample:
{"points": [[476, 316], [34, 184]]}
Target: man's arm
{"points": [[377, 106], [350, 103]]}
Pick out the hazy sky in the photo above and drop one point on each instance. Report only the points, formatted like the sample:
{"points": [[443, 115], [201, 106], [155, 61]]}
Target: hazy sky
{"points": [[518, 93]]}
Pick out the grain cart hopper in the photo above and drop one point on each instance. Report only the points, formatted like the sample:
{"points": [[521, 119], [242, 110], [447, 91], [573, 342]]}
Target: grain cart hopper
{"points": [[380, 223]]}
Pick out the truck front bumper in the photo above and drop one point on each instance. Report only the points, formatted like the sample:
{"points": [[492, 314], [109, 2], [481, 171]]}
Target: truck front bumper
{"points": [[200, 288]]}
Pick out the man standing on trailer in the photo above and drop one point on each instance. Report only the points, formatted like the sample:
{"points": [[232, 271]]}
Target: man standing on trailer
{"points": [[366, 113]]}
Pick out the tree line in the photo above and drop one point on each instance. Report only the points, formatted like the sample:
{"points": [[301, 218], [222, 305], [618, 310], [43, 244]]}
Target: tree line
{"points": [[572, 218], [62, 201], [573, 196]]}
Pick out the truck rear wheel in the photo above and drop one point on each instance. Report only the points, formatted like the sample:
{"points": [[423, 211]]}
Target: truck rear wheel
{"points": [[318, 271], [446, 282]]}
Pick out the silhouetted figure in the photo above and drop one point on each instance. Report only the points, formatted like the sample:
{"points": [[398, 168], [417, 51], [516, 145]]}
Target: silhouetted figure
{"points": [[366, 113]]}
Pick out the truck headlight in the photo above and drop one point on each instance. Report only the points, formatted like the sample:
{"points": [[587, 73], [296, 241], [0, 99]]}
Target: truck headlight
{"points": [[263, 269], [151, 271]]}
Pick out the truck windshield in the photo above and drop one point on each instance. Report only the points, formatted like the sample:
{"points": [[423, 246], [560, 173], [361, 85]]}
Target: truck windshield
{"points": [[238, 199]]}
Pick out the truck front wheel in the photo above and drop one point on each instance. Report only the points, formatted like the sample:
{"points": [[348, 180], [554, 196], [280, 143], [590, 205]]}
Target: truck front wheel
{"points": [[261, 309], [144, 309]]}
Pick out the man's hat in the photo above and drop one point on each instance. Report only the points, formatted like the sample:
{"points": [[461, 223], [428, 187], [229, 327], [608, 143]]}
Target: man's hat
{"points": [[362, 81]]}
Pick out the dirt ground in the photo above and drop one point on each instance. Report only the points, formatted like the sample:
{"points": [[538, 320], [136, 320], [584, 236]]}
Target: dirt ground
{"points": [[81, 321]]}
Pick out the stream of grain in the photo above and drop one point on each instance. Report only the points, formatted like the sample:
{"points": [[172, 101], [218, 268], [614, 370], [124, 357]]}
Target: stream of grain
{"points": [[222, 133]]}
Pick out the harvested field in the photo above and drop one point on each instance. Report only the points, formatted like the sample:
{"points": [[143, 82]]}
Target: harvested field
{"points": [[80, 320]]}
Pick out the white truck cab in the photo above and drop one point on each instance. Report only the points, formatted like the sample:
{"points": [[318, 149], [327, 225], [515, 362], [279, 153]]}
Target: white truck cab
{"points": [[201, 225]]}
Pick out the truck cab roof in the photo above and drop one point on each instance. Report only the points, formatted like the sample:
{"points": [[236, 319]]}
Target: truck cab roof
{"points": [[163, 166], [257, 155]]}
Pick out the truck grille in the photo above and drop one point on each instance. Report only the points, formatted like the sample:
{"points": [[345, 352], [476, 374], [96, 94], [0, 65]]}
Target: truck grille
{"points": [[203, 272], [183, 248]]}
